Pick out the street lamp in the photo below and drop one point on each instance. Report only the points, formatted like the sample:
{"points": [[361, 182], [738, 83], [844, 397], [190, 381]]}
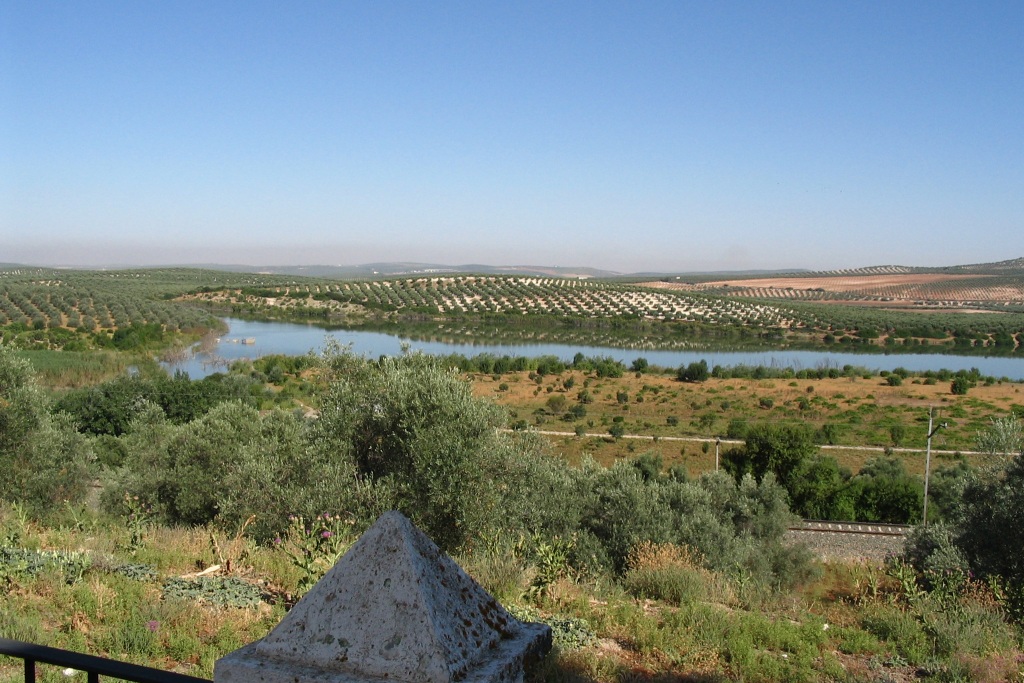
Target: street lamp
{"points": [[928, 462]]}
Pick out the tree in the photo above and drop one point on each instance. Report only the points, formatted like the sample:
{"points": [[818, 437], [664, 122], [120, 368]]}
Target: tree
{"points": [[820, 490], [1003, 437], [694, 372], [43, 459], [989, 531], [416, 437], [897, 432], [779, 449], [639, 365], [960, 385]]}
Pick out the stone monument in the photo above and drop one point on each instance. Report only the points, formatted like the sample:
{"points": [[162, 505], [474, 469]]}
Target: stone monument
{"points": [[393, 608]]}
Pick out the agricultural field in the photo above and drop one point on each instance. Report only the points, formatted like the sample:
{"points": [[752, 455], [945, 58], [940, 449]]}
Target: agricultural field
{"points": [[485, 295], [992, 287], [660, 317], [73, 310]]}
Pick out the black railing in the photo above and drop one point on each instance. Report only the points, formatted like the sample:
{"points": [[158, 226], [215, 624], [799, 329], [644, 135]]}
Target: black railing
{"points": [[94, 667]]}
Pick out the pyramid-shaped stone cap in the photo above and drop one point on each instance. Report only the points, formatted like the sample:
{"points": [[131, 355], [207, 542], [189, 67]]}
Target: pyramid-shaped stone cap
{"points": [[394, 607]]}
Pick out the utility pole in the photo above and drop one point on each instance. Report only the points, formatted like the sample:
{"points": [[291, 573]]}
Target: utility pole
{"points": [[718, 442], [928, 463]]}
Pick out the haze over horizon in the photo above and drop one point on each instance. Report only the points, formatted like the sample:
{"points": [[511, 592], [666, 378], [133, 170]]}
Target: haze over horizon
{"points": [[660, 136]]}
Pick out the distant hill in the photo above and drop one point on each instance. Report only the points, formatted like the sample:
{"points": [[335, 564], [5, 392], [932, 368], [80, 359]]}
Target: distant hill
{"points": [[1008, 267], [376, 270], [1011, 267]]}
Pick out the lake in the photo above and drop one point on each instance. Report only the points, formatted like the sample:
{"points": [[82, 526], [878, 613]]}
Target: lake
{"points": [[268, 338]]}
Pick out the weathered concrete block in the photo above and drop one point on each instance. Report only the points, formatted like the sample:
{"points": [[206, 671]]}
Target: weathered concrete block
{"points": [[393, 608]]}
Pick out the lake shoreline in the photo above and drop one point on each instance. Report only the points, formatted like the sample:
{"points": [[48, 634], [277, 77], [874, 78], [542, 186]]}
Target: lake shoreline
{"points": [[286, 338]]}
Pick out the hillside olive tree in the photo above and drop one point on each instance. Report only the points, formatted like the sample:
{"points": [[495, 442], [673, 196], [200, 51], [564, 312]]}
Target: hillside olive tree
{"points": [[43, 460], [411, 426]]}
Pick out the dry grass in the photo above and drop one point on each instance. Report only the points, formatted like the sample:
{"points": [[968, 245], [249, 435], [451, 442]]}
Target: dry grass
{"points": [[654, 399]]}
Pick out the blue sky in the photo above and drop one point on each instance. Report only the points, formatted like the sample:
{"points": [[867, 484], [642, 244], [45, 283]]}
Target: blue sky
{"points": [[632, 136]]}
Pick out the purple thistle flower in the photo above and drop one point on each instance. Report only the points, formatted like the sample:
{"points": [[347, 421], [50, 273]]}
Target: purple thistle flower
{"points": [[326, 534], [153, 625]]}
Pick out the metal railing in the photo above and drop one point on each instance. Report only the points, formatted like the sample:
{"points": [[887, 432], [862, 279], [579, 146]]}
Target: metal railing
{"points": [[94, 667]]}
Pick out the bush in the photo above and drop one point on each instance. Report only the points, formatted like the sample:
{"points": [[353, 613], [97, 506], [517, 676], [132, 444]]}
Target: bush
{"points": [[886, 493], [694, 372], [621, 510], [932, 552], [960, 385], [988, 530], [44, 462]]}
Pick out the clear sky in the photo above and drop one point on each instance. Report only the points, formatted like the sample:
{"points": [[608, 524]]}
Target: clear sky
{"points": [[630, 136]]}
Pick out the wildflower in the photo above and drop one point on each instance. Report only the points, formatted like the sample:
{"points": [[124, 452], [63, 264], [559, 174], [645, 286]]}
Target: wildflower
{"points": [[153, 625], [326, 534], [70, 672], [277, 541]]}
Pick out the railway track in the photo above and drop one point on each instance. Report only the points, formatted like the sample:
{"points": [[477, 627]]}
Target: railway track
{"points": [[865, 528]]}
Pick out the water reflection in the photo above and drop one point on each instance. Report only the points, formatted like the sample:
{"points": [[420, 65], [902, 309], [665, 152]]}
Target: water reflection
{"points": [[252, 339]]}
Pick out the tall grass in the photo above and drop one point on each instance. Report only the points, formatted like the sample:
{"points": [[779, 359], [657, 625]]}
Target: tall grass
{"points": [[74, 369]]}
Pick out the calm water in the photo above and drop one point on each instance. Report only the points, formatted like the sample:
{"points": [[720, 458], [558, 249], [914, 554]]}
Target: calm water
{"points": [[295, 339]]}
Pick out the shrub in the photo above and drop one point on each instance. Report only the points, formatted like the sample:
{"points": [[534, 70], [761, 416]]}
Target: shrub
{"points": [[931, 551], [886, 493], [988, 530], [694, 372], [43, 460], [960, 385]]}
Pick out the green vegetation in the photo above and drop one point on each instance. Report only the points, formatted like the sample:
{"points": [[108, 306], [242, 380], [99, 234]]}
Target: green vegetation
{"points": [[248, 491], [118, 488], [133, 309], [43, 460]]}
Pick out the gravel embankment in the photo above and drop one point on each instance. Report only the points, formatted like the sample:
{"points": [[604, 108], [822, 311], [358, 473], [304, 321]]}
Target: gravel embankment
{"points": [[837, 546]]}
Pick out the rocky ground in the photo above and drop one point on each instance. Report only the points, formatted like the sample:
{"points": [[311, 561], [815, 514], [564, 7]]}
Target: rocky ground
{"points": [[831, 545]]}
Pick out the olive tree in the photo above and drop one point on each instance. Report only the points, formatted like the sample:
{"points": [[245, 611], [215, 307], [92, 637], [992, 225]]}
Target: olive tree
{"points": [[1002, 438], [989, 530], [43, 459], [411, 426]]}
